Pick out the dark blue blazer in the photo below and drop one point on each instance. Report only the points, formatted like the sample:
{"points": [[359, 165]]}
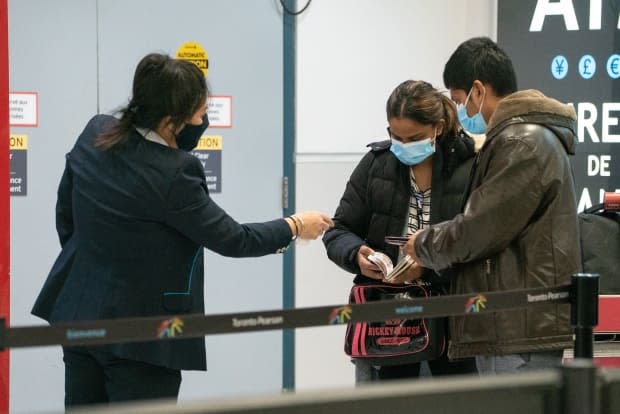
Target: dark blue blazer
{"points": [[132, 223]]}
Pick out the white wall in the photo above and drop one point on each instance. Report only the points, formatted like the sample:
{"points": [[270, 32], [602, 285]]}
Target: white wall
{"points": [[350, 56], [352, 53]]}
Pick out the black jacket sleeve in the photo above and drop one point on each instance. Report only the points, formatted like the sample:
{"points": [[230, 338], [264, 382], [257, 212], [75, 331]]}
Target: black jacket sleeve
{"points": [[64, 208], [343, 241], [192, 212]]}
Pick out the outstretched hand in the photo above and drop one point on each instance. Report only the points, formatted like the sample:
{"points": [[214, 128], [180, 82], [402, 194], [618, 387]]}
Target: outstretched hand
{"points": [[309, 225]]}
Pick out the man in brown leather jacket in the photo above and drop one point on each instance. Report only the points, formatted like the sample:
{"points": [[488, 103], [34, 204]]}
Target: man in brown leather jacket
{"points": [[519, 225]]}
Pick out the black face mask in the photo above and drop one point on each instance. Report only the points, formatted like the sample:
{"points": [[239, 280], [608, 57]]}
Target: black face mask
{"points": [[190, 135]]}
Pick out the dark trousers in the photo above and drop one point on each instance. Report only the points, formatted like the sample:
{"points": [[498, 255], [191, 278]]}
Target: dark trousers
{"points": [[95, 376], [366, 372]]}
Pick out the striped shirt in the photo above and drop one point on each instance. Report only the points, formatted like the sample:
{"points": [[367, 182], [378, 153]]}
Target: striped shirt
{"points": [[419, 208]]}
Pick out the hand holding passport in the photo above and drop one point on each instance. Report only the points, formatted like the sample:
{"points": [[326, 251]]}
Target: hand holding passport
{"points": [[384, 263]]}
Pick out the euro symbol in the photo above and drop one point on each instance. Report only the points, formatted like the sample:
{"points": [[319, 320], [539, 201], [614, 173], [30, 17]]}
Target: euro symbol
{"points": [[559, 66], [613, 66]]}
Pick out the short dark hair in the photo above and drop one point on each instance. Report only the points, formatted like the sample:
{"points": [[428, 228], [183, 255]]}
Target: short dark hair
{"points": [[482, 59], [420, 102], [162, 86]]}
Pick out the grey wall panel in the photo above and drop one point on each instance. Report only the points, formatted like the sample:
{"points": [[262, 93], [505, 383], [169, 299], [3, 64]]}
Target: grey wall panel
{"points": [[52, 51], [80, 56], [320, 361]]}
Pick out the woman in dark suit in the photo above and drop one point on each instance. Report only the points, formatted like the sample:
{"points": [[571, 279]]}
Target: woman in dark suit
{"points": [[133, 216]]}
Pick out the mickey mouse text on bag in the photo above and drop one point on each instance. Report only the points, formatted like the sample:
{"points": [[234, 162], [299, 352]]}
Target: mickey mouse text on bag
{"points": [[395, 341]]}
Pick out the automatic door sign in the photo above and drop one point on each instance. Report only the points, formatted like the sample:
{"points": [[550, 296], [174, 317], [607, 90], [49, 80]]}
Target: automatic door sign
{"points": [[194, 52], [18, 153], [209, 152]]}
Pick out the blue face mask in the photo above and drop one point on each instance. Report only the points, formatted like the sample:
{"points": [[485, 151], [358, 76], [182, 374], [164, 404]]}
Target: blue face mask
{"points": [[474, 124], [413, 153]]}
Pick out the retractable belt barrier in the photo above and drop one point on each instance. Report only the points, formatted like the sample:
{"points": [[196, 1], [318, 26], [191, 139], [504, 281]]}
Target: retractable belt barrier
{"points": [[196, 325]]}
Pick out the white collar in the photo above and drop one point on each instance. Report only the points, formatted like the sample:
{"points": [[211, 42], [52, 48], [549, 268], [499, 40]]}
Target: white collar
{"points": [[152, 136]]}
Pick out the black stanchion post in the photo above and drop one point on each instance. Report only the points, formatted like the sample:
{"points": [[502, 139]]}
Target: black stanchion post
{"points": [[581, 387], [584, 312]]}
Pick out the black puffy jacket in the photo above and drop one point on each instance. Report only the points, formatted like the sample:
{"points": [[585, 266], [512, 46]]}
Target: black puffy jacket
{"points": [[375, 203]]}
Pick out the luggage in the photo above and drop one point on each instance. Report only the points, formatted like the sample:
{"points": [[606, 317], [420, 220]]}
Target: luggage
{"points": [[599, 228]]}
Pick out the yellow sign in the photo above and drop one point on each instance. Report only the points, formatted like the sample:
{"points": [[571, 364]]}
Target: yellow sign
{"points": [[18, 142], [195, 53], [209, 142]]}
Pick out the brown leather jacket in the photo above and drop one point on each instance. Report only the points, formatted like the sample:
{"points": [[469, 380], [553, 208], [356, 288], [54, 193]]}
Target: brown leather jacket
{"points": [[518, 229]]}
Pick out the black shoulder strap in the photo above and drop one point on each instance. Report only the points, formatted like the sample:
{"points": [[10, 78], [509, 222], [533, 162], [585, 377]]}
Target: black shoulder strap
{"points": [[595, 208]]}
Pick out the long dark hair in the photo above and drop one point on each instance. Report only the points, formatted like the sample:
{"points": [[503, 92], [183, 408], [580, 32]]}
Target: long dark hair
{"points": [[162, 87], [420, 102]]}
